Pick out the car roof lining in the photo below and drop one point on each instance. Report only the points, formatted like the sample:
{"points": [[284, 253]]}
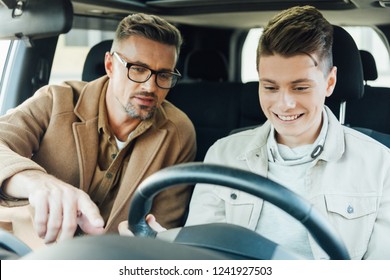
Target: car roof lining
{"points": [[247, 13]]}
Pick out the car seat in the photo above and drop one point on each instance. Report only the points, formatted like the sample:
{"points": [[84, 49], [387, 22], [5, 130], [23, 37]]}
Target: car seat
{"points": [[350, 89], [349, 86], [207, 97], [205, 65], [373, 110], [94, 62]]}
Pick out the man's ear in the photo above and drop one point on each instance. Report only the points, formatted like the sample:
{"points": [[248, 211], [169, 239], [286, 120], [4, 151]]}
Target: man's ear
{"points": [[108, 64], [332, 79]]}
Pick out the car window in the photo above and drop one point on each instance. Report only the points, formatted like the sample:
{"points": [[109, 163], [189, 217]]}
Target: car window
{"points": [[4, 50], [4, 46], [72, 49], [248, 62], [366, 38]]}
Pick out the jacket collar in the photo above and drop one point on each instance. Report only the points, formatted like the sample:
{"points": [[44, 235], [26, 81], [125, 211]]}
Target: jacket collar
{"points": [[255, 151], [258, 141], [334, 145]]}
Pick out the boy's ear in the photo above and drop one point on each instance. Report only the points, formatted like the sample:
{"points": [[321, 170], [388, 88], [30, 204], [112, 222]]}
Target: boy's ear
{"points": [[332, 79]]}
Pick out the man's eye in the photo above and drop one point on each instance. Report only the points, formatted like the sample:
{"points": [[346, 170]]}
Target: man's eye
{"points": [[138, 69], [165, 75]]}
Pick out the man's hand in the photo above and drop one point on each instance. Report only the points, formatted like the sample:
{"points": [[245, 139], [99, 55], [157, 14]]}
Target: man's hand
{"points": [[58, 206], [123, 227]]}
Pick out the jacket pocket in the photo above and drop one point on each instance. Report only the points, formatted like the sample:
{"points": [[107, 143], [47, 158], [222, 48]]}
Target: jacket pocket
{"points": [[351, 207], [239, 206], [353, 216]]}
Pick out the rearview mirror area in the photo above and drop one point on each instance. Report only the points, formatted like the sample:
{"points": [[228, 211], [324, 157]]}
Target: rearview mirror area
{"points": [[34, 19]]}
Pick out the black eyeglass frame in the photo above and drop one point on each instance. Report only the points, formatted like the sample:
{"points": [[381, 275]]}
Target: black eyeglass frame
{"points": [[128, 65]]}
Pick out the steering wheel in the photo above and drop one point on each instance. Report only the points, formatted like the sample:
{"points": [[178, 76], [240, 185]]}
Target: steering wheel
{"points": [[211, 241], [223, 237]]}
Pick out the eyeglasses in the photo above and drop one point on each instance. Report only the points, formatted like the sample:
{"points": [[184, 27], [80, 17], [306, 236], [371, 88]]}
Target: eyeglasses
{"points": [[140, 74]]}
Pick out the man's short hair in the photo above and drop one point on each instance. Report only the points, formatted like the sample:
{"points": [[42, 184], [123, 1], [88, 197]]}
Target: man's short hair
{"points": [[150, 27], [298, 30]]}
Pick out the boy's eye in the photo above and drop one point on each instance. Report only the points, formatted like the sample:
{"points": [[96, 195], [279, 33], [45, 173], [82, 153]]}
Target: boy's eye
{"points": [[303, 88], [270, 88]]}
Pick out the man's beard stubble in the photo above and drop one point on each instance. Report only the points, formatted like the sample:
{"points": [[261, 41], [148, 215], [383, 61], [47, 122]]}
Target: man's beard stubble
{"points": [[143, 113], [139, 112]]}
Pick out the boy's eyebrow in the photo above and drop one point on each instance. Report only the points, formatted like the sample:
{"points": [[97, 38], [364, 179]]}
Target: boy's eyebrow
{"points": [[302, 81], [267, 80], [293, 82]]}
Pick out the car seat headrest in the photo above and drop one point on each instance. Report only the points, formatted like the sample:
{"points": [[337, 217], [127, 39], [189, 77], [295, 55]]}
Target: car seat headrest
{"points": [[94, 62], [206, 65], [346, 58], [370, 72]]}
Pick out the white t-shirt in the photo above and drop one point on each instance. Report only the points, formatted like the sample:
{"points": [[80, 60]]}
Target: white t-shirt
{"points": [[288, 167]]}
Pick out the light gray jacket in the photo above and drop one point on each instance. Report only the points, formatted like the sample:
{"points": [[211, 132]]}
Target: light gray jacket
{"points": [[352, 171]]}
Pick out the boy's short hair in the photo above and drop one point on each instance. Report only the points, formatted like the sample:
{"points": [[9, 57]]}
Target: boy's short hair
{"points": [[298, 30]]}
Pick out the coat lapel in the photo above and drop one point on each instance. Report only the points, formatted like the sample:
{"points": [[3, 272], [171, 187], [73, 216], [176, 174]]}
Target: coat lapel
{"points": [[86, 132], [86, 138]]}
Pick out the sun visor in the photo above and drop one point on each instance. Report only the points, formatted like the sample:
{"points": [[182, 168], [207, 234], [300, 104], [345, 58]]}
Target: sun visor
{"points": [[34, 19]]}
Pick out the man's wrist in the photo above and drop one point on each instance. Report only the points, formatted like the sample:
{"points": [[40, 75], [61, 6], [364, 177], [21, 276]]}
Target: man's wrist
{"points": [[18, 186]]}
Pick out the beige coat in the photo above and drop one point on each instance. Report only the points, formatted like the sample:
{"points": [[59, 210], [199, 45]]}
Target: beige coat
{"points": [[352, 171], [56, 131]]}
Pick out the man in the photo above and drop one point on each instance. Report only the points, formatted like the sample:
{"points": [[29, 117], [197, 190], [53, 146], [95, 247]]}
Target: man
{"points": [[343, 173], [76, 152]]}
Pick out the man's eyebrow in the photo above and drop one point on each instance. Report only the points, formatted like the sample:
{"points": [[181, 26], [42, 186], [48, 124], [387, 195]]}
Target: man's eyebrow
{"points": [[140, 63]]}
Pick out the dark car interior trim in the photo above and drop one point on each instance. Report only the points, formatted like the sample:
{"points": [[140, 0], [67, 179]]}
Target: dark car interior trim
{"points": [[34, 19]]}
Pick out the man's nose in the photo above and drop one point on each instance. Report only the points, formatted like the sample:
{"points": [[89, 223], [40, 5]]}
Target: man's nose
{"points": [[150, 85]]}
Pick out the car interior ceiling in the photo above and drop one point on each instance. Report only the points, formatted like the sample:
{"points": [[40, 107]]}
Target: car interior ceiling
{"points": [[217, 12]]}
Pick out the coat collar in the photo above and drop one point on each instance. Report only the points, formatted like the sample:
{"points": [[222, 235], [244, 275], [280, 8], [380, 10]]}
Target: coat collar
{"points": [[87, 106]]}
